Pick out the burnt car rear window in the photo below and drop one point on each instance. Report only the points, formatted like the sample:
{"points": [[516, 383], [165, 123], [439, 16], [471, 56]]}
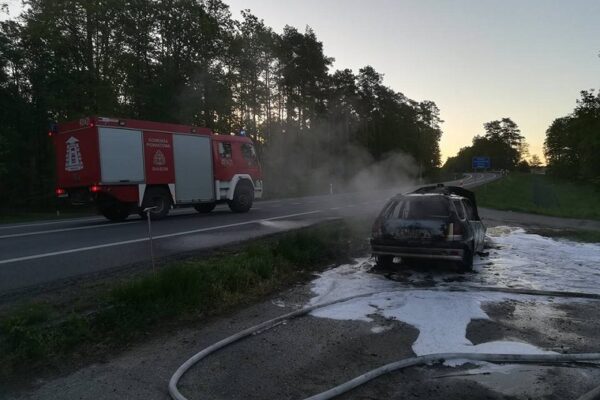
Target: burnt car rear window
{"points": [[425, 207], [459, 209]]}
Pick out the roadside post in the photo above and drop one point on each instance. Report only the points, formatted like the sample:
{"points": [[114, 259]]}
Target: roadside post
{"points": [[147, 211]]}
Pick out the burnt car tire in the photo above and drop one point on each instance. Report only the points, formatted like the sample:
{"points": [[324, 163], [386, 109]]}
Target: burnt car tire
{"points": [[384, 261], [243, 198], [159, 198], [467, 262], [205, 208]]}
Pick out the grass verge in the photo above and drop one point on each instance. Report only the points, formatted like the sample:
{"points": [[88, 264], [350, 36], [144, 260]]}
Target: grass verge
{"points": [[42, 334], [575, 235], [541, 194]]}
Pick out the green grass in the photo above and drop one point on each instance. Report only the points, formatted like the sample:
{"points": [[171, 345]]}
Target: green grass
{"points": [[40, 333], [541, 194], [575, 235]]}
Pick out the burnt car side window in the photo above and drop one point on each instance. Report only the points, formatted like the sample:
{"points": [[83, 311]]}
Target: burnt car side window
{"points": [[459, 209], [394, 209], [470, 211], [389, 209]]}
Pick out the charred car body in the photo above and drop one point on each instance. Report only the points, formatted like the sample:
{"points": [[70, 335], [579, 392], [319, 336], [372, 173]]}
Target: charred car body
{"points": [[434, 222]]}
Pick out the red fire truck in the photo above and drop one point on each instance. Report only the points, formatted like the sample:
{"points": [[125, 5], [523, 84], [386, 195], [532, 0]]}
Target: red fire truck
{"points": [[126, 166]]}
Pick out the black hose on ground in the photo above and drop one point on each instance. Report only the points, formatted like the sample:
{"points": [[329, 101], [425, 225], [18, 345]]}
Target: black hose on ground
{"points": [[442, 357]]}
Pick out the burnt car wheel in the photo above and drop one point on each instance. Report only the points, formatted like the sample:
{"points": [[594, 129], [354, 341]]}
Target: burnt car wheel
{"points": [[467, 262], [384, 261]]}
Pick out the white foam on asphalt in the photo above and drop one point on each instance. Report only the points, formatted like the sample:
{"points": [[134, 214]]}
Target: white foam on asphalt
{"points": [[442, 317], [523, 260]]}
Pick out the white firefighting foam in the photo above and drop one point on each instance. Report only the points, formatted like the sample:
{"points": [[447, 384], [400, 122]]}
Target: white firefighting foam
{"points": [[517, 260], [523, 260]]}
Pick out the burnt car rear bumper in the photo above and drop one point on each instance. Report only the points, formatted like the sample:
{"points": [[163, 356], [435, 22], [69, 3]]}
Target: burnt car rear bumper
{"points": [[432, 253]]}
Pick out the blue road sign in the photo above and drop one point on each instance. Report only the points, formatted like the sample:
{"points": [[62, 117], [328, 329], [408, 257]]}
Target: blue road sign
{"points": [[481, 163]]}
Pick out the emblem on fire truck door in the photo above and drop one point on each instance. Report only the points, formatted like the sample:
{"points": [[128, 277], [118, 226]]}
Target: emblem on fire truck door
{"points": [[73, 161], [159, 158]]}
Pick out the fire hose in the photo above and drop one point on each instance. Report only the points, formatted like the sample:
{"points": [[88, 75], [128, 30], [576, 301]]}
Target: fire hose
{"points": [[405, 363]]}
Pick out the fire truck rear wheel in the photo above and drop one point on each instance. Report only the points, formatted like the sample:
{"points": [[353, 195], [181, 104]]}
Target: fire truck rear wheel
{"points": [[159, 198], [242, 198], [115, 211], [205, 208]]}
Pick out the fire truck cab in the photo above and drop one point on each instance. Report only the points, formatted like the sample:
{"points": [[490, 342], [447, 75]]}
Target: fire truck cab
{"points": [[125, 166]]}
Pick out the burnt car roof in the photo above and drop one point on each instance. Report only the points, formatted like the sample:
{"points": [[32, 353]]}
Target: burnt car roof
{"points": [[443, 190]]}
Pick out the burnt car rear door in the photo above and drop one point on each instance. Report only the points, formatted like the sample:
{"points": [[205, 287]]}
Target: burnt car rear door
{"points": [[416, 220], [476, 224]]}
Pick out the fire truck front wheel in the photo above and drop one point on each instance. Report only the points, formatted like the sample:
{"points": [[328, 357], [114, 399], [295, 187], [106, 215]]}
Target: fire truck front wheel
{"points": [[242, 197], [158, 198]]}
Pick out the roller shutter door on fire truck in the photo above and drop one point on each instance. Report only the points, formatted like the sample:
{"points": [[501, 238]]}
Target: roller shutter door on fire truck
{"points": [[121, 155], [193, 169]]}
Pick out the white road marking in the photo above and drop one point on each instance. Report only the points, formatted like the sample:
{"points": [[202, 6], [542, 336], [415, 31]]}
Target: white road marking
{"points": [[14, 235], [185, 211], [82, 219], [62, 221], [169, 235]]}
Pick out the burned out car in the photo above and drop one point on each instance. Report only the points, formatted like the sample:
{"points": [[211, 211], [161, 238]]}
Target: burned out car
{"points": [[434, 223]]}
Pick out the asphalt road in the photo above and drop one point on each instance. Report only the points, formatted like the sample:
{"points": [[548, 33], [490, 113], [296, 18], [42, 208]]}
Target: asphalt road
{"points": [[37, 253]]}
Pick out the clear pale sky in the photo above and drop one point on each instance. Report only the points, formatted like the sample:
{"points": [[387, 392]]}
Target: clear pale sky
{"points": [[479, 60]]}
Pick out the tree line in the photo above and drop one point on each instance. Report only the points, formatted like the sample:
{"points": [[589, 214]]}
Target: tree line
{"points": [[502, 142], [190, 62], [572, 145]]}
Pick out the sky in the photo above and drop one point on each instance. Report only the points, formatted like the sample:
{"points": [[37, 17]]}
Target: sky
{"points": [[479, 60]]}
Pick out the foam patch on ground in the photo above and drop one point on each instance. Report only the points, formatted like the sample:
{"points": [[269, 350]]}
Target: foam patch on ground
{"points": [[520, 259]]}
